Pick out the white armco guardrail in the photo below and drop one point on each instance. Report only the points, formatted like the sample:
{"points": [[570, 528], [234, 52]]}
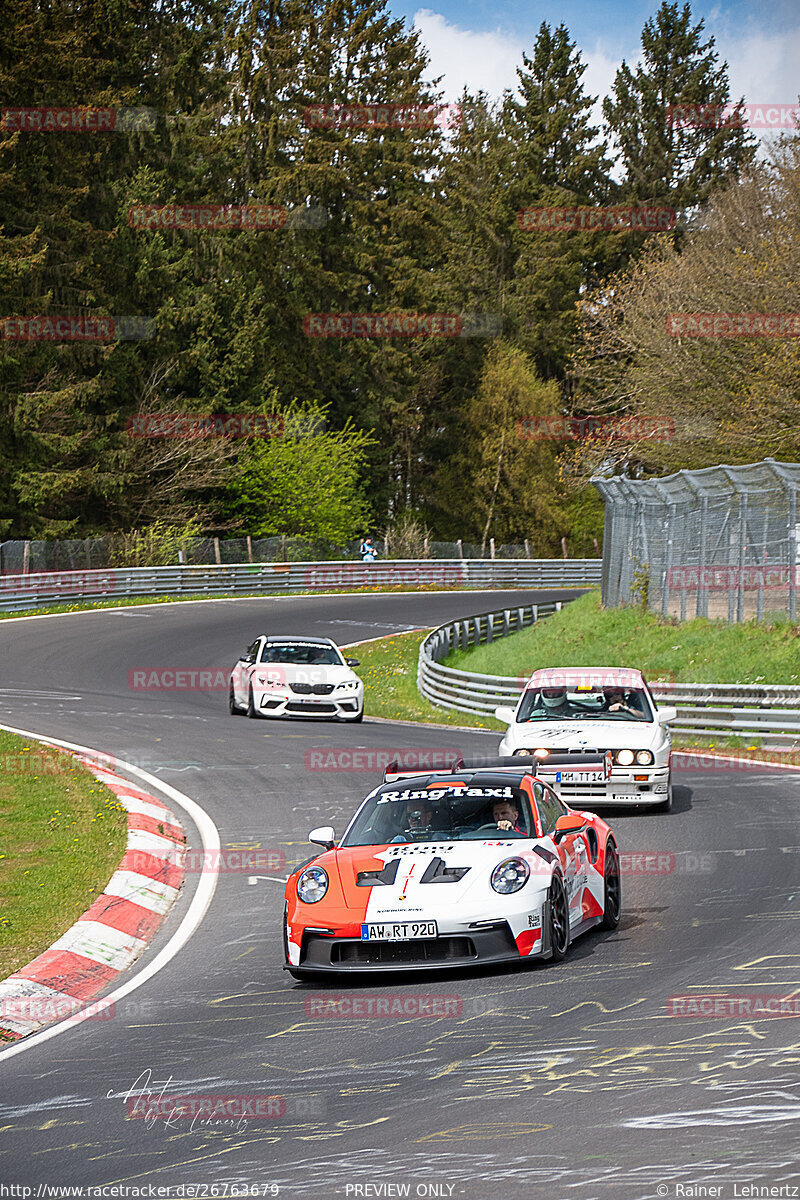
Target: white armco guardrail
{"points": [[19, 592], [769, 711]]}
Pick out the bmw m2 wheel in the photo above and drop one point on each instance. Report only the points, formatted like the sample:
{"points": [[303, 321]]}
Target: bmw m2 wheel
{"points": [[233, 707], [612, 888], [251, 704], [559, 919]]}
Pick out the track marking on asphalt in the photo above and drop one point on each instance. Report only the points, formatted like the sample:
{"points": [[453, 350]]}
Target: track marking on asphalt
{"points": [[198, 906]]}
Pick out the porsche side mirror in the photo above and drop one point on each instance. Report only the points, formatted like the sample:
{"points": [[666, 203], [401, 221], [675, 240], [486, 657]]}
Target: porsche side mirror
{"points": [[569, 823], [505, 714], [667, 714], [324, 836], [353, 662]]}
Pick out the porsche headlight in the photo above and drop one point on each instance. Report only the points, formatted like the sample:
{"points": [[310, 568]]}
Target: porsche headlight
{"points": [[510, 876], [644, 757], [624, 757], [312, 885]]}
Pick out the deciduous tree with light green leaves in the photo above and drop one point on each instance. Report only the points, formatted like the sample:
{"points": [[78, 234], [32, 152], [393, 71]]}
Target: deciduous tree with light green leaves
{"points": [[306, 482]]}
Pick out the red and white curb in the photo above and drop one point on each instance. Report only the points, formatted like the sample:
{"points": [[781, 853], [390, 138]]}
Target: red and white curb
{"points": [[114, 931]]}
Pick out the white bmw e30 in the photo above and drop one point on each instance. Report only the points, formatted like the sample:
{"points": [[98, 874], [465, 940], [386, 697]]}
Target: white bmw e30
{"points": [[284, 676], [591, 710]]}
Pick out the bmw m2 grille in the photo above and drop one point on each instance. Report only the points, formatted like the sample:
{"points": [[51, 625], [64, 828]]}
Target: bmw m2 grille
{"points": [[312, 689]]}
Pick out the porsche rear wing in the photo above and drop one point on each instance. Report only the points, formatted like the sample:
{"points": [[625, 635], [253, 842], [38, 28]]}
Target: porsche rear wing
{"points": [[585, 767]]}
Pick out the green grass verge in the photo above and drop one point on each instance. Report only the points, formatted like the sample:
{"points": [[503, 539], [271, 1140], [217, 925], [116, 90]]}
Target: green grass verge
{"points": [[389, 671], [696, 651], [62, 835]]}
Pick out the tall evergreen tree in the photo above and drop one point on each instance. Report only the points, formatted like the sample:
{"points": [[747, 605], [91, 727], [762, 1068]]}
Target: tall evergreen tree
{"points": [[668, 157], [560, 161]]}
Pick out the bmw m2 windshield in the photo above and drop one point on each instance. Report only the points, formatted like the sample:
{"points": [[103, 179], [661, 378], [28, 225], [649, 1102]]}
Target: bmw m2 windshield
{"points": [[301, 655]]}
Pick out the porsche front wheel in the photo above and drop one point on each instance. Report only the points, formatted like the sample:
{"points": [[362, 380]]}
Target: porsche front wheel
{"points": [[559, 919]]}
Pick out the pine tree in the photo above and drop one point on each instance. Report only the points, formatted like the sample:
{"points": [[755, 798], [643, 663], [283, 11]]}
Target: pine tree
{"points": [[560, 161], [670, 158]]}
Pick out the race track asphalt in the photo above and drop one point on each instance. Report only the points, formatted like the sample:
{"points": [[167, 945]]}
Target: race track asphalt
{"points": [[551, 1081]]}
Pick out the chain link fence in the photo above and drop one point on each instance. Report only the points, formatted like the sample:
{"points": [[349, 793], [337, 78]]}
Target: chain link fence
{"points": [[719, 542], [87, 554]]}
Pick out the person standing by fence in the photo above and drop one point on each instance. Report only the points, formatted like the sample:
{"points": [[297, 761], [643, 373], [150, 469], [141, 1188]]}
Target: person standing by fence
{"points": [[367, 551]]}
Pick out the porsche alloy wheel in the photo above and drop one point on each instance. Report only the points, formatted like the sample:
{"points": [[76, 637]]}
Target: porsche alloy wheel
{"points": [[559, 919], [612, 888]]}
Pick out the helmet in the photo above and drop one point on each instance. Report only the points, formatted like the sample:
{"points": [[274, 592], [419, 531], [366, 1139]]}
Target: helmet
{"points": [[553, 697]]}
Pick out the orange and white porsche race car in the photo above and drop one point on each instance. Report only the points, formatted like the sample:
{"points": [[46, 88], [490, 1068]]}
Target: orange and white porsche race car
{"points": [[446, 869]]}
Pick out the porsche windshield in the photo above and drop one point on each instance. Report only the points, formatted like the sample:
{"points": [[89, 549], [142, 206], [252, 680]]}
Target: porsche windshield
{"points": [[404, 813], [301, 655], [584, 704]]}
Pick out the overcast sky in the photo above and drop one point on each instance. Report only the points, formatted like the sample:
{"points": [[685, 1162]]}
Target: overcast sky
{"points": [[479, 43]]}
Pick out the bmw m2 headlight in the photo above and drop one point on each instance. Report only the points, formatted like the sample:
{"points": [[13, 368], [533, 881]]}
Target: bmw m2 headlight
{"points": [[644, 757], [624, 757], [510, 876], [351, 684], [312, 885]]}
